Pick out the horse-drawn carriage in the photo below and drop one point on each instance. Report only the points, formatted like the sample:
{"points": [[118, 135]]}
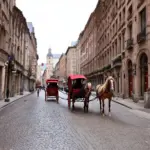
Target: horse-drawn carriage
{"points": [[78, 90], [52, 89]]}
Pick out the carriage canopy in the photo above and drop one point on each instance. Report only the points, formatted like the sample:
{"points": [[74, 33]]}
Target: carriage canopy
{"points": [[74, 77], [52, 81]]}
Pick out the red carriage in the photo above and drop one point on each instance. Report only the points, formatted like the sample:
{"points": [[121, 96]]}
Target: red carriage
{"points": [[52, 89], [77, 89]]}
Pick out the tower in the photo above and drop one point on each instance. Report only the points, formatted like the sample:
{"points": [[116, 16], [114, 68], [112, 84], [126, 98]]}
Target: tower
{"points": [[49, 63]]}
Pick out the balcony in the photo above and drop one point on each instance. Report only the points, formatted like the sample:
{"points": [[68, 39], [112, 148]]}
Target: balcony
{"points": [[117, 61], [129, 43], [141, 37]]}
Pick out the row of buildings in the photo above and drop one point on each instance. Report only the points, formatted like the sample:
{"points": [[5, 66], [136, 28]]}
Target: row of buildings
{"points": [[115, 41], [18, 51]]}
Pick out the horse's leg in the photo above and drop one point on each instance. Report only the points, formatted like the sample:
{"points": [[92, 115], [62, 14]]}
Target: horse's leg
{"points": [[103, 112], [109, 103], [84, 104]]}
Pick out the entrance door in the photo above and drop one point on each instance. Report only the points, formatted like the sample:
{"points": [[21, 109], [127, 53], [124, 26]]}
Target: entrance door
{"points": [[146, 80], [130, 78], [144, 73]]}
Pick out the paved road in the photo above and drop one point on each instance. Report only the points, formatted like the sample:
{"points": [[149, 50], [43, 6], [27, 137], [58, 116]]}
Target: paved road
{"points": [[33, 124]]}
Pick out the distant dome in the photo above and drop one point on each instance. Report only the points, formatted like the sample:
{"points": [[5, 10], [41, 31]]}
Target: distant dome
{"points": [[49, 53]]}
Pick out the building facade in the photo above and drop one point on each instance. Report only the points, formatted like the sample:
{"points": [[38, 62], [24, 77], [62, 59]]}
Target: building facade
{"points": [[57, 70], [14, 54], [33, 57], [122, 46], [56, 58], [71, 61], [62, 69], [6, 12], [78, 53], [39, 73], [88, 48], [49, 64]]}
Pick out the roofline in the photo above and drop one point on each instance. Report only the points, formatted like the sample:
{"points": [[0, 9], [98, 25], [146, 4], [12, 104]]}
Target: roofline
{"points": [[70, 48]]}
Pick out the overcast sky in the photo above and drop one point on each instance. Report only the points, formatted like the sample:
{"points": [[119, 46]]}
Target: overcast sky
{"points": [[57, 22]]}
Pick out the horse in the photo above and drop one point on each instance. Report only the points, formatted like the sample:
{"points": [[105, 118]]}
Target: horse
{"points": [[84, 93], [105, 91]]}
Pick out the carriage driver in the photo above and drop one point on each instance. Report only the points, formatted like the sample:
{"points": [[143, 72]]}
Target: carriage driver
{"points": [[78, 84]]}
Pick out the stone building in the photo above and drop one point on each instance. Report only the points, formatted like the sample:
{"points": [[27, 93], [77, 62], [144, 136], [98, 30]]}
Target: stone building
{"points": [[56, 71], [62, 68], [6, 16], [33, 57], [14, 53], [71, 61], [51, 61], [49, 64], [56, 58], [44, 77], [39, 71], [122, 46], [88, 48], [19, 29], [78, 53]]}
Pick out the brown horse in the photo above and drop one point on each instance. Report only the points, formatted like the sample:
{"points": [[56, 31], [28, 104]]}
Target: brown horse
{"points": [[106, 91]]}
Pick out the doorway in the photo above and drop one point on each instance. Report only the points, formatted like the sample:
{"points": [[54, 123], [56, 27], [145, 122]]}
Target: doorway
{"points": [[144, 73], [130, 78]]}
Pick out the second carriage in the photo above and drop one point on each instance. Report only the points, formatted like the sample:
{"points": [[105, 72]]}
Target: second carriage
{"points": [[52, 89], [78, 89]]}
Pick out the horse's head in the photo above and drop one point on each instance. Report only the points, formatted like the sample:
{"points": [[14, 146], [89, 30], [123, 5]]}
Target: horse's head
{"points": [[110, 84]]}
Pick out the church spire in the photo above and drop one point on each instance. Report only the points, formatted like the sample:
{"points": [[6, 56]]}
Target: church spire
{"points": [[49, 53]]}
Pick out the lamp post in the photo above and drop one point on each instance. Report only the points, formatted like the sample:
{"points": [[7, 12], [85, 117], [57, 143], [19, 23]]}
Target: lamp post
{"points": [[10, 60]]}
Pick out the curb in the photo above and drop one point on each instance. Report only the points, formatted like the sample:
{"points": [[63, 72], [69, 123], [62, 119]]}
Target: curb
{"points": [[122, 104], [15, 101], [125, 105]]}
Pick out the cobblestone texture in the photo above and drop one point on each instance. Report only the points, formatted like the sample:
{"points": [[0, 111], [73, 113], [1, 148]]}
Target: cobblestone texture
{"points": [[33, 124]]}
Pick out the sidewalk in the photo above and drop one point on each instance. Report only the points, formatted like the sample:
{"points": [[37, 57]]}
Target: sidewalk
{"points": [[12, 99]]}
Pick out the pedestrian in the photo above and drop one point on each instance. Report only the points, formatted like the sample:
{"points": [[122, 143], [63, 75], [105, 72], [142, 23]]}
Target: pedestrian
{"points": [[38, 92]]}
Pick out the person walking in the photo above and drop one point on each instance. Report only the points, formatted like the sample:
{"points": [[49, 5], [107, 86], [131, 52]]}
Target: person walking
{"points": [[38, 92]]}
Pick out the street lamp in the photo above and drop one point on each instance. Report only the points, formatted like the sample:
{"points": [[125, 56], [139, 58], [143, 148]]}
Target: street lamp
{"points": [[9, 63]]}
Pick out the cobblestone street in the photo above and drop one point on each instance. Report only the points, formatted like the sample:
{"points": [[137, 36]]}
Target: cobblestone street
{"points": [[33, 124]]}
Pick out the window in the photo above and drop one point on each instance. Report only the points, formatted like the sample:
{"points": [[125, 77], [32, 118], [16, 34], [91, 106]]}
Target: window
{"points": [[130, 31], [120, 18], [143, 19], [123, 40], [124, 11], [119, 44], [130, 10]]}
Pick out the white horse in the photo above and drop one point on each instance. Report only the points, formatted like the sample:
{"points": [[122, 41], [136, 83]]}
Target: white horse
{"points": [[106, 91]]}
